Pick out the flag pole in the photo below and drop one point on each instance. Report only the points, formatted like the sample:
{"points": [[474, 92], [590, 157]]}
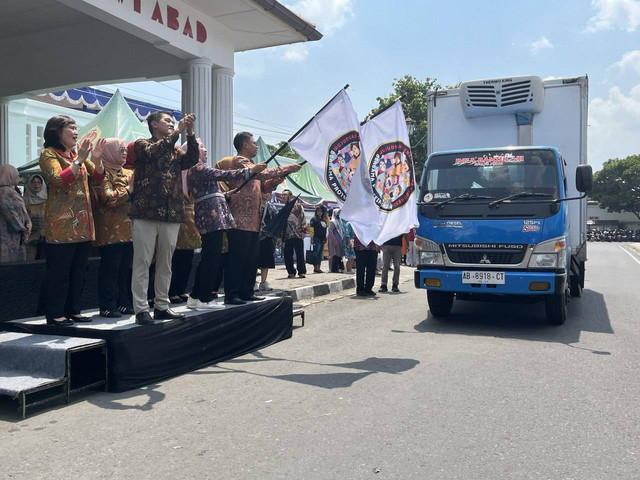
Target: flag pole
{"points": [[286, 144], [399, 99]]}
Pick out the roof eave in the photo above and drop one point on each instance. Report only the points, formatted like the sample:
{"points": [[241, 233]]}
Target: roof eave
{"points": [[287, 16]]}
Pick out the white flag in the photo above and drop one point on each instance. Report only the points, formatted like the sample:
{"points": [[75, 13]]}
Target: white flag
{"points": [[331, 144], [382, 202]]}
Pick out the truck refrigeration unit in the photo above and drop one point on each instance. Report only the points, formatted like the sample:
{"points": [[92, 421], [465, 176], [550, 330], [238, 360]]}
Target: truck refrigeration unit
{"points": [[500, 207]]}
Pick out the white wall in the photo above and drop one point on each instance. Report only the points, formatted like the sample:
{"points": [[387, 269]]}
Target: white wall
{"points": [[629, 220], [34, 114]]}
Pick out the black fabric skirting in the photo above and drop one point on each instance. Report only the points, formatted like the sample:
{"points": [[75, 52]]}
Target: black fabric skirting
{"points": [[142, 355]]}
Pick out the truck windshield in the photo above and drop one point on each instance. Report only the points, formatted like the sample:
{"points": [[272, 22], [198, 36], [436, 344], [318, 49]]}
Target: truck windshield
{"points": [[494, 174]]}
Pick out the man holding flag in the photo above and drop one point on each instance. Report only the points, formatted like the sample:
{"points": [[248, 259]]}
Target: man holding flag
{"points": [[245, 208]]}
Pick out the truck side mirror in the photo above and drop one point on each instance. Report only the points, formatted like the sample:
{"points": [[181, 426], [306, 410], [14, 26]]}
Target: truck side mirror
{"points": [[584, 178]]}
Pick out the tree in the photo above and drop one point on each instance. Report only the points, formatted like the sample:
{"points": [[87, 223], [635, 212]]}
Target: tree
{"points": [[413, 94], [617, 186], [287, 152]]}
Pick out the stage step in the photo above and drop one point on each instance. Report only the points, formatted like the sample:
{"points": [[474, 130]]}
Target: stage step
{"points": [[299, 312], [35, 369]]}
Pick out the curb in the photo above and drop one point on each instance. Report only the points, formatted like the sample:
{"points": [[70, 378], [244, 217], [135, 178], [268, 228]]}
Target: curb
{"points": [[312, 291]]}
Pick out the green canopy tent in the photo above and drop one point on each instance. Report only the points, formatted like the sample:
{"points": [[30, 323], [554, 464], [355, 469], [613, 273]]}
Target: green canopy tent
{"points": [[304, 182], [116, 119]]}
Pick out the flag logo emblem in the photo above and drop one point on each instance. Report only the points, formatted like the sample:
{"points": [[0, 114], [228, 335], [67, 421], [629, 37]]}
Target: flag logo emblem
{"points": [[342, 160], [391, 174]]}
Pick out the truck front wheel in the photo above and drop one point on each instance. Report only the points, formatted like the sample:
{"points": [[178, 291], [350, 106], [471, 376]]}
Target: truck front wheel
{"points": [[556, 308], [440, 303]]}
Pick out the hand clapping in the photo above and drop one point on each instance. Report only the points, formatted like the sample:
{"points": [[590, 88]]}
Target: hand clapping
{"points": [[187, 122], [84, 148]]}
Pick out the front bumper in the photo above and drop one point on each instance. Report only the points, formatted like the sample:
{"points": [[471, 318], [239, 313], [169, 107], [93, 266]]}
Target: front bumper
{"points": [[516, 282]]}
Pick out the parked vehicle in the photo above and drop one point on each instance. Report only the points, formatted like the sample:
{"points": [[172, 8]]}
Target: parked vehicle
{"points": [[499, 220]]}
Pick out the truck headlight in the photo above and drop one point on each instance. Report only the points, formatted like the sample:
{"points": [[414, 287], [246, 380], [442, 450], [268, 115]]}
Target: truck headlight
{"points": [[549, 254], [429, 252]]}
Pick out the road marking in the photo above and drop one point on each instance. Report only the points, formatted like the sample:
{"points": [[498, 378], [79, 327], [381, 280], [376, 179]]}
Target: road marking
{"points": [[629, 253]]}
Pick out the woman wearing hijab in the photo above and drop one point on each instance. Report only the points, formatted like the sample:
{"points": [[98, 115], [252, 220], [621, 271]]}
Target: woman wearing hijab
{"points": [[68, 218], [113, 231], [15, 225], [335, 239], [188, 240], [35, 199]]}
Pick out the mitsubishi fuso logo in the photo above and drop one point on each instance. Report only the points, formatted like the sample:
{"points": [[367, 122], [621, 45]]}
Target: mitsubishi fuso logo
{"points": [[484, 259]]}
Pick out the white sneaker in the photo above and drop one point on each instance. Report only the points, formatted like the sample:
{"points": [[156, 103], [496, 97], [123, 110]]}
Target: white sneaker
{"points": [[192, 302], [264, 287], [212, 305], [256, 288]]}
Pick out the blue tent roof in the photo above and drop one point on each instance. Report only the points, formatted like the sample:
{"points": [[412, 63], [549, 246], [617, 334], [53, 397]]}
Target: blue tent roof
{"points": [[93, 100]]}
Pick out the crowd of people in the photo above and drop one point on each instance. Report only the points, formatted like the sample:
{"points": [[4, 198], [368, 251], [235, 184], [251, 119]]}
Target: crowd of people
{"points": [[147, 206], [345, 251]]}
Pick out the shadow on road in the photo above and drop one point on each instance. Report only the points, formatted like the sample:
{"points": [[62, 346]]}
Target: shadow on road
{"points": [[522, 321], [116, 401], [368, 366]]}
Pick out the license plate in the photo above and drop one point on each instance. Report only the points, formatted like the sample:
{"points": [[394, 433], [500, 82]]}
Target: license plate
{"points": [[491, 278]]}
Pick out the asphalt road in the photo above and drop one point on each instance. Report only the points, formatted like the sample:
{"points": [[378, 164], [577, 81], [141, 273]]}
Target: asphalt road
{"points": [[376, 388]]}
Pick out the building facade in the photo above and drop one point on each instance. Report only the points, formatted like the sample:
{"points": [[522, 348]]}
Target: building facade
{"points": [[56, 45], [599, 218]]}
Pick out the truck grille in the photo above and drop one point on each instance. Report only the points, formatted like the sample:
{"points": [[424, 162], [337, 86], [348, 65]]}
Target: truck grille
{"points": [[486, 254]]}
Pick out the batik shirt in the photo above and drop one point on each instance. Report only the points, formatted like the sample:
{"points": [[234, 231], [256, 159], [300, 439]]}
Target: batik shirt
{"points": [[212, 214], [157, 187]]}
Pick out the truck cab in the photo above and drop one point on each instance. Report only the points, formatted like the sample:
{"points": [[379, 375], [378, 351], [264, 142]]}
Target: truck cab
{"points": [[497, 221]]}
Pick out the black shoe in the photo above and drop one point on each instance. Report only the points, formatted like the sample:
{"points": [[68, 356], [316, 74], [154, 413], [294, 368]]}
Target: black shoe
{"points": [[382, 289], [126, 310], [253, 298], [176, 300], [361, 294], [79, 318], [395, 289], [144, 318], [167, 315], [65, 322], [234, 301], [370, 293], [110, 313]]}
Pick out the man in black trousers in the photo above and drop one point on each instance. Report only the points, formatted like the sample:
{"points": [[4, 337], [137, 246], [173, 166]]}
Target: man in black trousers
{"points": [[245, 208]]}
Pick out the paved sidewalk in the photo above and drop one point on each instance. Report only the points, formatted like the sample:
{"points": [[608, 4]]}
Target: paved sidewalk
{"points": [[320, 284]]}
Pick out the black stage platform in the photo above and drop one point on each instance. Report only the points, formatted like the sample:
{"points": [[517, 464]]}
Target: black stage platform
{"points": [[140, 355]]}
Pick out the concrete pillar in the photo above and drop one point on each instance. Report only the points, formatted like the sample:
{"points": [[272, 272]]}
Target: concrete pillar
{"points": [[185, 107], [222, 113], [198, 97], [4, 131]]}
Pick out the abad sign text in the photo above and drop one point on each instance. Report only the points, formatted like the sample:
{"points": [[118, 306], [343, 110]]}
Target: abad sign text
{"points": [[171, 18]]}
